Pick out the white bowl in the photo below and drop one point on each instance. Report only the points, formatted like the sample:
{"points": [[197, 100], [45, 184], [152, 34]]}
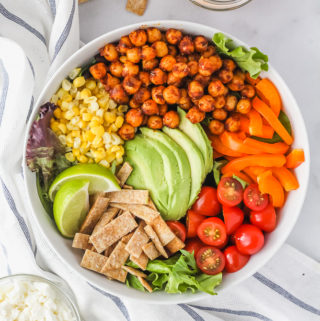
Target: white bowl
{"points": [[287, 216]]}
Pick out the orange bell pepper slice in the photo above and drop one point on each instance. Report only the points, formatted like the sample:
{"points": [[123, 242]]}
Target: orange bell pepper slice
{"points": [[268, 184], [264, 160], [272, 119], [276, 148], [286, 178], [221, 148], [295, 158], [251, 80], [250, 174], [255, 123], [269, 93], [267, 131], [241, 175], [216, 154], [257, 170]]}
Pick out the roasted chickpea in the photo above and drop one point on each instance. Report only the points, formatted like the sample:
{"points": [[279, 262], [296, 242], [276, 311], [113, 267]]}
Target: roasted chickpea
{"points": [[219, 114], [130, 69], [131, 84], [148, 53], [155, 122], [173, 36], [244, 106], [163, 109], [172, 80], [126, 132], [116, 68], [186, 45], [123, 59], [248, 91], [157, 95], [158, 77], [231, 102], [171, 94], [138, 37], [195, 89], [236, 84], [206, 67], [150, 64], [200, 43], [226, 91], [172, 51], [183, 59], [150, 107], [124, 44], [225, 75], [154, 34], [109, 82], [193, 68], [232, 124], [216, 88], [219, 102], [109, 52], [98, 71], [211, 50], [145, 120], [206, 103], [195, 115], [118, 94], [184, 101], [251, 80], [134, 55], [134, 117], [167, 63], [240, 74], [216, 127], [133, 103], [145, 78], [161, 48], [180, 70], [229, 64], [142, 95], [203, 80], [171, 119]]}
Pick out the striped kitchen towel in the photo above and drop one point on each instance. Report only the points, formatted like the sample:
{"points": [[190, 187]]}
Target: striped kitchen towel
{"points": [[36, 36]]}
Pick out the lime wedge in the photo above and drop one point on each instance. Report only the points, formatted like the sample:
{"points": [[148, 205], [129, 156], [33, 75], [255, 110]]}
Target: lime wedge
{"points": [[71, 206], [101, 179]]}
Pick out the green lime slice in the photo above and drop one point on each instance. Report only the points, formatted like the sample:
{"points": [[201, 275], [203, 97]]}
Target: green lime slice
{"points": [[71, 206], [101, 179]]}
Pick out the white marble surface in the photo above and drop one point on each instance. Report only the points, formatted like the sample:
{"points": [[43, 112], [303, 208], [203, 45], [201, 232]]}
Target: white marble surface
{"points": [[287, 30]]}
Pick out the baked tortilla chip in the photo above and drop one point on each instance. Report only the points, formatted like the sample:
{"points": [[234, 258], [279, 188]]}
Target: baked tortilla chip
{"points": [[151, 205], [113, 231], [151, 251], [145, 284], [175, 245], [105, 218], [127, 238], [129, 196], [81, 241], [99, 206], [155, 239], [141, 261], [117, 258], [125, 186], [137, 241], [93, 261], [119, 275], [123, 173], [134, 271], [137, 6], [163, 230]]}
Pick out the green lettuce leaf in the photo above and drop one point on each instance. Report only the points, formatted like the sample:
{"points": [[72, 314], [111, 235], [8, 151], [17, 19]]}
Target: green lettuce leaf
{"points": [[217, 165], [208, 282], [251, 60], [241, 181], [133, 282]]}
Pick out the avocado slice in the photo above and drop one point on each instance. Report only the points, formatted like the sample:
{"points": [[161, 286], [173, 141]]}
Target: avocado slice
{"points": [[199, 137], [194, 157]]}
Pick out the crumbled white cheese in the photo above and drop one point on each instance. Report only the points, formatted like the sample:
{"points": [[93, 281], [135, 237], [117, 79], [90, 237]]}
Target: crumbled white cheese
{"points": [[22, 300]]}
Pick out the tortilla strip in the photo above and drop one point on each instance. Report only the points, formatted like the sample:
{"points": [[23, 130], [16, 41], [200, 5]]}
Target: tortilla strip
{"points": [[125, 186], [137, 6], [109, 249], [127, 238], [144, 212], [141, 261], [133, 271], [106, 217], [117, 258], [81, 241], [124, 172], [99, 206], [129, 196], [138, 239], [113, 231], [151, 205], [162, 230], [118, 274], [151, 251], [155, 239], [175, 245], [94, 197], [145, 284], [93, 261]]}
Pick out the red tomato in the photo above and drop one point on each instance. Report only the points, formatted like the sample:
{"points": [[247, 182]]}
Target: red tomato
{"points": [[212, 231], [265, 219], [254, 199], [249, 239], [210, 260], [233, 218], [230, 191], [193, 221], [194, 245], [178, 229], [234, 259], [207, 203]]}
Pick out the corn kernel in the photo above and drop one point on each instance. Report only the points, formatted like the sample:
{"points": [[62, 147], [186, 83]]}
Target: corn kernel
{"points": [[94, 123], [54, 99], [119, 161], [76, 142], [86, 116], [89, 136], [100, 113], [68, 114], [85, 93], [67, 98], [74, 73], [104, 163], [110, 157], [112, 104], [57, 113], [103, 102], [98, 130], [61, 92], [97, 142], [55, 126], [64, 105], [76, 152], [70, 157], [63, 128], [119, 121], [119, 154], [93, 106], [82, 159], [79, 81], [75, 133], [113, 128], [66, 84], [82, 124], [91, 84], [90, 161], [110, 117], [114, 149], [76, 110], [122, 108]]}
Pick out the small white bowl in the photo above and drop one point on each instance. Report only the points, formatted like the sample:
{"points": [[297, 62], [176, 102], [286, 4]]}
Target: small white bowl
{"points": [[287, 215]]}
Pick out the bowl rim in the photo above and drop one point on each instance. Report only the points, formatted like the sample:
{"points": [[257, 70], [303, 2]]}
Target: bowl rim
{"points": [[165, 24]]}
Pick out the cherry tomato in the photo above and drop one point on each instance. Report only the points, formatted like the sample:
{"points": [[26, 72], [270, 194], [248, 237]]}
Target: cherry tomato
{"points": [[194, 245], [254, 199], [265, 219], [249, 239], [178, 229], [230, 191], [233, 218], [212, 231], [193, 221], [234, 259], [210, 260], [207, 203]]}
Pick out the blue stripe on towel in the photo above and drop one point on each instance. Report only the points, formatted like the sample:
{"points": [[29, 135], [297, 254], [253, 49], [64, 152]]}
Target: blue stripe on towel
{"points": [[31, 67], [5, 253], [193, 314], [30, 109], [53, 8], [3, 97], [22, 23]]}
